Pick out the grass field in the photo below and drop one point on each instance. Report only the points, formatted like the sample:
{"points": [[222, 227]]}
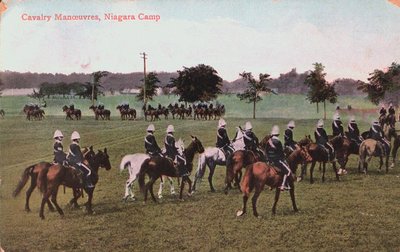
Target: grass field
{"points": [[361, 212]]}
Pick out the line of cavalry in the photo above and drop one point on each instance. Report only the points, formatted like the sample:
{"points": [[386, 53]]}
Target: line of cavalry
{"points": [[266, 162], [201, 111]]}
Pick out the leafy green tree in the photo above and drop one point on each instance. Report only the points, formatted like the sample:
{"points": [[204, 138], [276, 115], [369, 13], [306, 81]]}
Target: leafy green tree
{"points": [[383, 85], [200, 83], [151, 88], [92, 89], [319, 89], [37, 95], [254, 89]]}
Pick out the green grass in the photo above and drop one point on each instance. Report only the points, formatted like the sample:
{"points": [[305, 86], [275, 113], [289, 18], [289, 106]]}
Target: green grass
{"points": [[361, 212]]}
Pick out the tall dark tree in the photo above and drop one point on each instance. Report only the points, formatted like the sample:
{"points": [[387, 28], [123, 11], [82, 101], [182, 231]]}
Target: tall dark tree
{"points": [[319, 89], [151, 87], [200, 83], [383, 85], [37, 95], [92, 89], [254, 89]]}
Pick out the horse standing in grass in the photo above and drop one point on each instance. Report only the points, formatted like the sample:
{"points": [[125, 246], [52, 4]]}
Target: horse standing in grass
{"points": [[214, 156], [157, 166], [33, 171], [51, 178], [2, 113], [320, 155], [371, 148], [259, 174]]}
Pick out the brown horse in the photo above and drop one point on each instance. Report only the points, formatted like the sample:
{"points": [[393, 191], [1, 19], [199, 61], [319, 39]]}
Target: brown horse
{"points": [[396, 145], [155, 167], [33, 173], [105, 114], [320, 155], [259, 174], [371, 148], [51, 178], [2, 113]]}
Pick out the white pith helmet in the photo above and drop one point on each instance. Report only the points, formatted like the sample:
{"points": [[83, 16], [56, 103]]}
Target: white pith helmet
{"points": [[58, 133], [336, 117], [352, 119], [170, 128], [391, 105], [275, 130], [151, 127], [221, 123], [75, 135], [375, 122], [291, 124], [320, 123], [248, 126], [383, 106]]}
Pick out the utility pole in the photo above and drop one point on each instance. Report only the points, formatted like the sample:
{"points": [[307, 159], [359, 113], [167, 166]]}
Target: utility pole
{"points": [[93, 89], [144, 79]]}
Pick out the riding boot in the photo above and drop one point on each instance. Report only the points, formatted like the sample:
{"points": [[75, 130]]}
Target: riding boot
{"points": [[284, 186], [88, 182]]}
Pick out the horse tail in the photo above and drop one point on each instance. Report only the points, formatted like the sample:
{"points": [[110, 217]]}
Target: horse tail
{"points": [[201, 165], [247, 184], [22, 182], [142, 173], [42, 180], [124, 163]]}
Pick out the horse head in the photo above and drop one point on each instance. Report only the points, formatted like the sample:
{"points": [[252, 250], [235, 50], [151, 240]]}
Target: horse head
{"points": [[305, 155], [64, 108], [103, 159], [198, 146]]}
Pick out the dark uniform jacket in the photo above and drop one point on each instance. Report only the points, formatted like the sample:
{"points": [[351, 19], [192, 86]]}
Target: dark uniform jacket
{"points": [[150, 144], [376, 133], [391, 111], [250, 140], [337, 128], [382, 112], [222, 138], [274, 150], [354, 132], [75, 155], [170, 149], [320, 136], [59, 155], [289, 137]]}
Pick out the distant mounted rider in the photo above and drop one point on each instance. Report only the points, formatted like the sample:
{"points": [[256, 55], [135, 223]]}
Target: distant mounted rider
{"points": [[391, 115], [150, 143], [223, 142], [72, 107], [58, 149], [337, 127], [289, 142], [75, 158], [275, 155], [321, 139], [382, 115]]}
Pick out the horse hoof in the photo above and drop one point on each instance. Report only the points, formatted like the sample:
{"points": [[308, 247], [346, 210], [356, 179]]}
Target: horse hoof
{"points": [[259, 217], [189, 194], [240, 213], [299, 179], [160, 196], [27, 210]]}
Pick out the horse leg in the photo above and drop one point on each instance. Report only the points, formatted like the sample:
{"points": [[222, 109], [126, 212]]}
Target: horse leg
{"points": [[210, 176], [161, 188], [387, 163], [277, 194], [45, 198], [149, 186], [254, 202], [54, 200], [171, 184], [182, 186], [380, 163], [128, 189], [323, 171], [190, 185], [335, 171], [292, 197], [89, 192], [28, 194], [312, 172], [74, 201]]}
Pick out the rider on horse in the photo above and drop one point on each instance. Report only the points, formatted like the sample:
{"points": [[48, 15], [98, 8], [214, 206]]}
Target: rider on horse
{"points": [[172, 152], [223, 142], [377, 134], [59, 155], [354, 132], [391, 115], [337, 128], [75, 158], [250, 139], [322, 139], [275, 155], [289, 142], [150, 143]]}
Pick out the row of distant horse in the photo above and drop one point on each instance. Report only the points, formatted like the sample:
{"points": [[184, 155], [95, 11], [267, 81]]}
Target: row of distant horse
{"points": [[33, 112]]}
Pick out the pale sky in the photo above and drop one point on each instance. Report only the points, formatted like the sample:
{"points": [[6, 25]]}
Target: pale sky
{"points": [[350, 38]]}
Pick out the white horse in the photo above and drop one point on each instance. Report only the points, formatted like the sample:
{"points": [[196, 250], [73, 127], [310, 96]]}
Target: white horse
{"points": [[214, 156], [133, 162]]}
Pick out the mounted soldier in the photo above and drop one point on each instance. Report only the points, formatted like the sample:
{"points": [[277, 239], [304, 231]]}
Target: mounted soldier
{"points": [[382, 115], [250, 139], [170, 149], [321, 139], [150, 143], [391, 116], [275, 155], [59, 155], [289, 142], [337, 128], [223, 142], [354, 132], [75, 158], [377, 134], [71, 107]]}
